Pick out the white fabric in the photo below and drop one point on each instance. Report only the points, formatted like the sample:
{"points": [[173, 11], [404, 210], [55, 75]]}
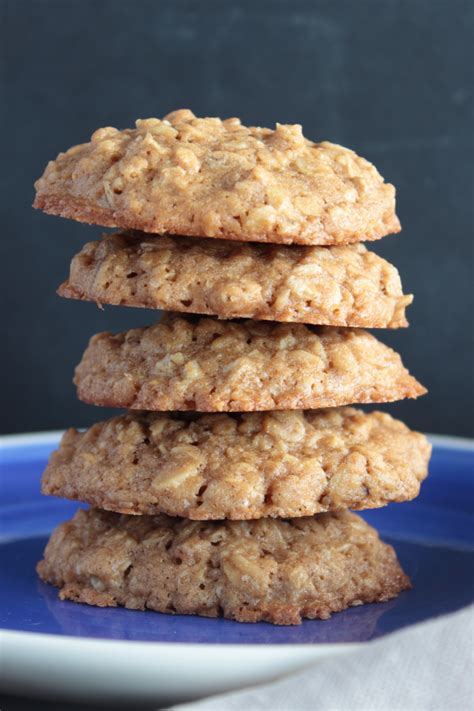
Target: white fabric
{"points": [[427, 667]]}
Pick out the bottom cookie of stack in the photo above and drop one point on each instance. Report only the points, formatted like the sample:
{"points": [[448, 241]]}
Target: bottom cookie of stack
{"points": [[277, 570]]}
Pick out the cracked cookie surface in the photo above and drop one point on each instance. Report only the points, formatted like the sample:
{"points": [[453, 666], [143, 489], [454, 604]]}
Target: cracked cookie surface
{"points": [[275, 570], [207, 365], [337, 286], [211, 178], [280, 464]]}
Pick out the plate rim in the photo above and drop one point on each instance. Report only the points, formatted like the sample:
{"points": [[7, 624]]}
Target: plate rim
{"points": [[214, 674], [12, 635]]}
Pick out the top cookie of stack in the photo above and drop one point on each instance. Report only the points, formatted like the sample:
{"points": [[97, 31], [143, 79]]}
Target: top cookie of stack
{"points": [[212, 178]]}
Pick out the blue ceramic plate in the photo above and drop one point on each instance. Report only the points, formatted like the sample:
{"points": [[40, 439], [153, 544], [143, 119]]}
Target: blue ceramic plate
{"points": [[432, 535]]}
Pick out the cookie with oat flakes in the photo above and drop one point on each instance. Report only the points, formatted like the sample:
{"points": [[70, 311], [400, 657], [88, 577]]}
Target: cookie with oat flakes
{"points": [[206, 177], [208, 365], [275, 570], [337, 286], [247, 466]]}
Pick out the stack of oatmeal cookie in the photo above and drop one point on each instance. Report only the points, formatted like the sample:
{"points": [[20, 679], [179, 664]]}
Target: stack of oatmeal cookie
{"points": [[225, 487]]}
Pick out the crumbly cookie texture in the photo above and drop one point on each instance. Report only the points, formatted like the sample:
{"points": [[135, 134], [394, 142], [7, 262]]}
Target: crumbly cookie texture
{"points": [[274, 570], [337, 286], [207, 365], [211, 178], [279, 464]]}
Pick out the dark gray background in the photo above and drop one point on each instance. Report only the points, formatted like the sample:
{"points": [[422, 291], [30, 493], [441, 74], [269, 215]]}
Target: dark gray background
{"points": [[390, 79]]}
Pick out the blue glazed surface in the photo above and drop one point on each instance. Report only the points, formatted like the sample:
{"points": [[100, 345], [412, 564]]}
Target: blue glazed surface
{"points": [[433, 536]]}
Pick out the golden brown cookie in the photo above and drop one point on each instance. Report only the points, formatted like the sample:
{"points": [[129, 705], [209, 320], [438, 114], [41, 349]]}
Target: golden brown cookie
{"points": [[337, 286], [210, 178], [274, 570], [279, 464], [207, 365]]}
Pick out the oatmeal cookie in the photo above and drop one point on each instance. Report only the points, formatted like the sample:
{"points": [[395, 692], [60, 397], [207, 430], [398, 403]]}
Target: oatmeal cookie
{"points": [[278, 464], [207, 365], [275, 570], [336, 286], [211, 178]]}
